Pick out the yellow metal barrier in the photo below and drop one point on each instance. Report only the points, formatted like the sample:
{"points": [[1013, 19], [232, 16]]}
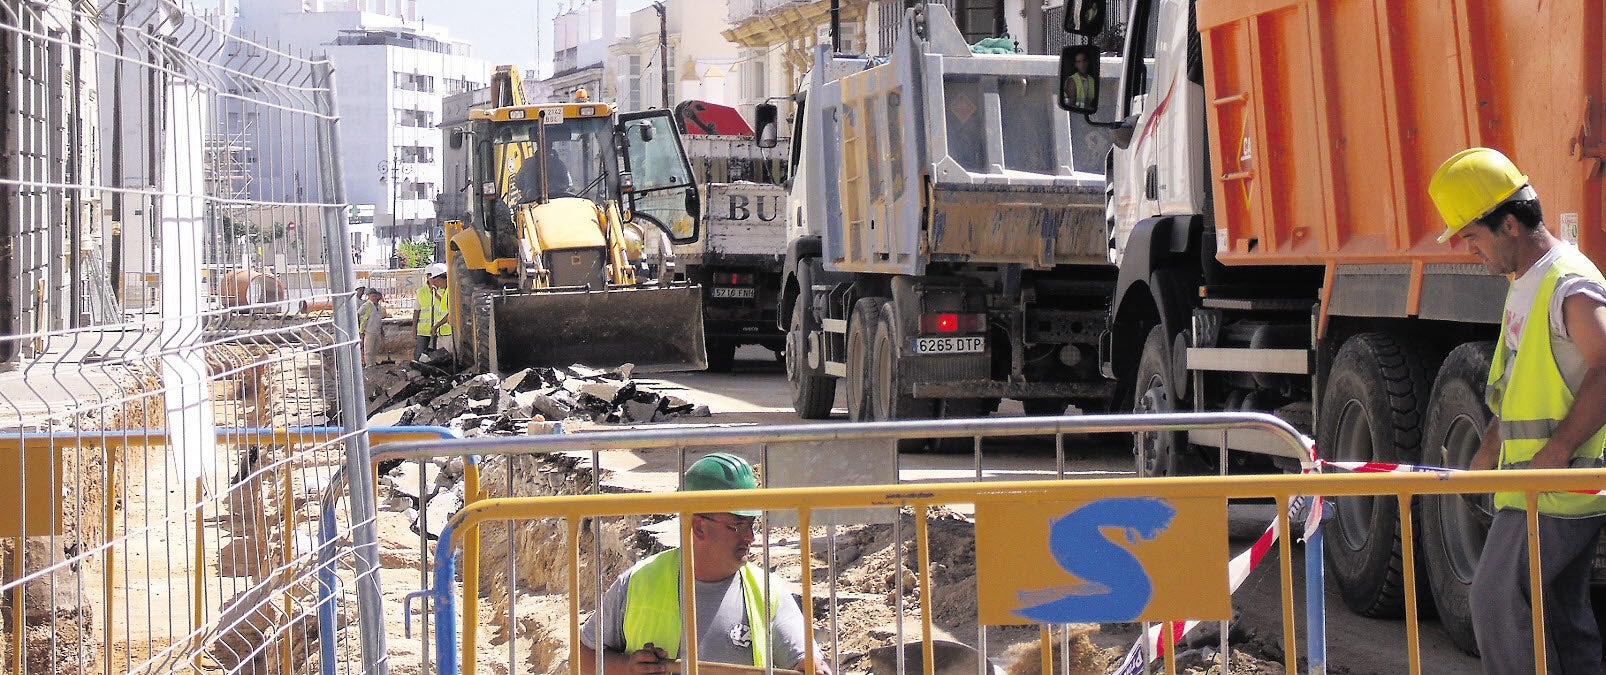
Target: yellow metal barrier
{"points": [[804, 501], [810, 504]]}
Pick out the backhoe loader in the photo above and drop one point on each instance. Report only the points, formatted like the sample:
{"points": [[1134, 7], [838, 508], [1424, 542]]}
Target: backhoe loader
{"points": [[548, 269]]}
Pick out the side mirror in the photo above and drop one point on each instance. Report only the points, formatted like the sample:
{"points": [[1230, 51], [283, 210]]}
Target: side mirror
{"points": [[1079, 79], [764, 120], [694, 204], [1084, 17], [456, 139]]}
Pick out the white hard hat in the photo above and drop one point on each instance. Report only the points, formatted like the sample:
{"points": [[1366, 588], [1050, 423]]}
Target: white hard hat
{"points": [[435, 270]]}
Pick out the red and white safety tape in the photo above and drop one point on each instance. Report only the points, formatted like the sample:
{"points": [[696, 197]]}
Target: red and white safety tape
{"points": [[1238, 570]]}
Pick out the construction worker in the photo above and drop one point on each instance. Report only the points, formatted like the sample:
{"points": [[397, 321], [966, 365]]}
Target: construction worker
{"points": [[370, 325], [431, 316], [639, 618], [1081, 85], [1547, 390]]}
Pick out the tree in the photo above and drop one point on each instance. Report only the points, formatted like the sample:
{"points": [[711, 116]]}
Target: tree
{"points": [[416, 252]]}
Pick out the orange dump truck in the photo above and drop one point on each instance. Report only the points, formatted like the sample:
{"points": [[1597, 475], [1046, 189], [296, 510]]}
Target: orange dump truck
{"points": [[1278, 250]]}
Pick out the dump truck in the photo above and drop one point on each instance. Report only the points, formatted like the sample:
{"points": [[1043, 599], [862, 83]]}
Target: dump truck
{"points": [[548, 269], [737, 260], [1278, 249], [949, 248]]}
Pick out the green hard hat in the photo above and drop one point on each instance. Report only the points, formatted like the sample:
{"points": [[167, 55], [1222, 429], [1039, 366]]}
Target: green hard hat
{"points": [[722, 471]]}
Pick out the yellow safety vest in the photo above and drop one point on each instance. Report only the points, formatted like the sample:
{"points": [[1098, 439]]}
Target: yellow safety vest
{"points": [[652, 606], [1084, 87], [1540, 398], [432, 307]]}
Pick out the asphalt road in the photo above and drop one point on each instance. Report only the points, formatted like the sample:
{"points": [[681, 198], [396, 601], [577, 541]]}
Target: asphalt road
{"points": [[756, 392]]}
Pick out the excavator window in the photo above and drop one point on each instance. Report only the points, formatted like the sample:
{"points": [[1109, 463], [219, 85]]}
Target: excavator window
{"points": [[537, 162]]}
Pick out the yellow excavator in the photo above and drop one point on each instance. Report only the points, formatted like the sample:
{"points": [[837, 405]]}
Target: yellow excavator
{"points": [[548, 269]]}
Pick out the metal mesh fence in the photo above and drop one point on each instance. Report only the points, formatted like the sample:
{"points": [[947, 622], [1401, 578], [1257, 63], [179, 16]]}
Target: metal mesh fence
{"points": [[170, 415]]}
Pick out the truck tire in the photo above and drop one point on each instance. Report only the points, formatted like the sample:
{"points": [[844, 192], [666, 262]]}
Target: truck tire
{"points": [[1454, 526], [1371, 412], [470, 286], [888, 398], [1158, 453], [887, 388], [478, 341], [721, 355], [861, 335], [812, 392]]}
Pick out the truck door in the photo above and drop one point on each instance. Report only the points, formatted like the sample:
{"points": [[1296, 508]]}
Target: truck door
{"points": [[1145, 101], [663, 191]]}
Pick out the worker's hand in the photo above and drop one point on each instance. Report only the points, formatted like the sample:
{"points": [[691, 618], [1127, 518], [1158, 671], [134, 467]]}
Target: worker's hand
{"points": [[649, 660], [1551, 457]]}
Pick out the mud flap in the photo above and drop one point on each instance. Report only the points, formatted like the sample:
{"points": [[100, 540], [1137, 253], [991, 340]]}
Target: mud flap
{"points": [[659, 329]]}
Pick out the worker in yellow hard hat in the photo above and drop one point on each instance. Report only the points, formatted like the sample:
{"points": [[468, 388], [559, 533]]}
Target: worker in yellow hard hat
{"points": [[638, 621], [1547, 390]]}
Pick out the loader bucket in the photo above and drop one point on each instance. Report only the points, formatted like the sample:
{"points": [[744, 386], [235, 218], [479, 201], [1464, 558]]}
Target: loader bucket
{"points": [[659, 329]]}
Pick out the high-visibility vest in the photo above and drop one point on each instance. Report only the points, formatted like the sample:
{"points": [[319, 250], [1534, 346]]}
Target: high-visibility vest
{"points": [[432, 307], [1084, 88], [1536, 398], [652, 606], [364, 313]]}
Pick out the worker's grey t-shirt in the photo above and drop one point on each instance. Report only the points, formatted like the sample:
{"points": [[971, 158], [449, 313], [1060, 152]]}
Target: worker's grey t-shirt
{"points": [[721, 612]]}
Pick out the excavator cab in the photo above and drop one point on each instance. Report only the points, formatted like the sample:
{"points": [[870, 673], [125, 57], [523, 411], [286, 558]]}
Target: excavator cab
{"points": [[545, 271]]}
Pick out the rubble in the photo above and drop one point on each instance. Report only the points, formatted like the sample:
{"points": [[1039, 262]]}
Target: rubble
{"points": [[531, 401], [415, 393]]}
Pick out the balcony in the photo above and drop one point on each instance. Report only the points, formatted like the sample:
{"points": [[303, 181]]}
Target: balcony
{"points": [[738, 11]]}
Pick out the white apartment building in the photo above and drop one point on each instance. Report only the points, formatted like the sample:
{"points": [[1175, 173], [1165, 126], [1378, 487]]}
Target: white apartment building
{"points": [[776, 38], [580, 39], [700, 60], [392, 73]]}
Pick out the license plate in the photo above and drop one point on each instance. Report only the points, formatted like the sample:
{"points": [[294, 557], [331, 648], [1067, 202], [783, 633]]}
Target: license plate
{"points": [[732, 292], [950, 345]]}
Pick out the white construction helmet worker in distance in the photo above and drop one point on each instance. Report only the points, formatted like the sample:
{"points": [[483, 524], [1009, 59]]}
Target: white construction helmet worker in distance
{"points": [[1474, 182], [435, 270]]}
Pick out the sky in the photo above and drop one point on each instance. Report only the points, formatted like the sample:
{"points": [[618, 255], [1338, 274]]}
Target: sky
{"points": [[505, 31]]}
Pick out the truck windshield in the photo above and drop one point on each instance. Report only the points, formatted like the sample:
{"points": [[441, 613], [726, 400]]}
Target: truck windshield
{"points": [[574, 160]]}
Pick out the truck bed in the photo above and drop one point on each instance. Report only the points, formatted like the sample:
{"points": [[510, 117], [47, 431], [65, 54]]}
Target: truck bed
{"points": [[1326, 111], [941, 155]]}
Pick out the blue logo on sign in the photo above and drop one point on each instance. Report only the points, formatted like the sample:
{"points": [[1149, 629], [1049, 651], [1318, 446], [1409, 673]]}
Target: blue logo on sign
{"points": [[1114, 585]]}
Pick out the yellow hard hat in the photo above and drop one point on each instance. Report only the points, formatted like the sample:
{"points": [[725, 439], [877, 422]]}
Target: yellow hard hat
{"points": [[1474, 182]]}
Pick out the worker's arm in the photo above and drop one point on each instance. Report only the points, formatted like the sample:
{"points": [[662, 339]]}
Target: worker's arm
{"points": [[648, 661], [1489, 450], [1586, 325]]}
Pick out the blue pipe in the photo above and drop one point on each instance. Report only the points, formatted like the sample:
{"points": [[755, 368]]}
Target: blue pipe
{"points": [[327, 536], [445, 608], [326, 590], [1315, 604]]}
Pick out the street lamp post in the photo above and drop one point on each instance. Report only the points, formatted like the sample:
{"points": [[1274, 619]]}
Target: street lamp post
{"points": [[663, 54], [394, 171]]}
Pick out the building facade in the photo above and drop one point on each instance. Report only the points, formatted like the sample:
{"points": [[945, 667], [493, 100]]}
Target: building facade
{"points": [[699, 58], [394, 71]]}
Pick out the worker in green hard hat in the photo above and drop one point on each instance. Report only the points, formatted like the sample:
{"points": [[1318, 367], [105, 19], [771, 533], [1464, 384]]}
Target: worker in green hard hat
{"points": [[639, 618]]}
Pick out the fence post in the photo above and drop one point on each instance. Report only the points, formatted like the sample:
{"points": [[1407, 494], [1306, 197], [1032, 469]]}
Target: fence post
{"points": [[353, 400]]}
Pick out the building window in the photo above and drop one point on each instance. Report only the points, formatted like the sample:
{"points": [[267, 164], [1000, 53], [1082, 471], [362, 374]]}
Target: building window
{"points": [[414, 118], [416, 154], [415, 82], [978, 19], [632, 70]]}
